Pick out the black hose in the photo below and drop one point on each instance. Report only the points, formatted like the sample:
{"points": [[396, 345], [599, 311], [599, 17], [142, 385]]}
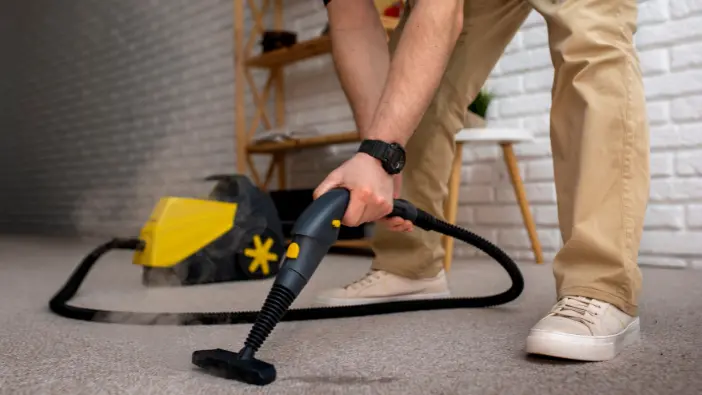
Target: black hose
{"points": [[59, 303]]}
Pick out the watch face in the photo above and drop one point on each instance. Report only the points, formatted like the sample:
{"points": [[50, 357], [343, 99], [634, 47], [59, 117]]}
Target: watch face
{"points": [[396, 158]]}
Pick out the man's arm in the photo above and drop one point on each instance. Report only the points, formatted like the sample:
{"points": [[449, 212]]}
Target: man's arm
{"points": [[417, 68], [361, 56], [397, 95]]}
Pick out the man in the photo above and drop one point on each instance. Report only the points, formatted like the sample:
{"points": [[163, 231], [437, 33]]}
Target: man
{"points": [[413, 102]]}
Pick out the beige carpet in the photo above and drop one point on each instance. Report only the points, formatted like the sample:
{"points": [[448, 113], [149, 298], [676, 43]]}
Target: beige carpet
{"points": [[448, 352]]}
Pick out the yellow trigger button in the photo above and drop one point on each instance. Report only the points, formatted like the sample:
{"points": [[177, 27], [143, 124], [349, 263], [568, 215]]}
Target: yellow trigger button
{"points": [[293, 251], [336, 223]]}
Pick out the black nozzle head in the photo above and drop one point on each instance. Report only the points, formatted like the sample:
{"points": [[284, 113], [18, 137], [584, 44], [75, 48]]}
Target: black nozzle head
{"points": [[234, 366]]}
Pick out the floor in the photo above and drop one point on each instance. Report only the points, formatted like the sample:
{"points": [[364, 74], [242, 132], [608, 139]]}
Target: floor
{"points": [[476, 351]]}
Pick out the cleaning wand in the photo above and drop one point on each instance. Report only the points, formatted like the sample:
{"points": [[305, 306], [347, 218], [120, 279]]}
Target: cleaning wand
{"points": [[313, 235]]}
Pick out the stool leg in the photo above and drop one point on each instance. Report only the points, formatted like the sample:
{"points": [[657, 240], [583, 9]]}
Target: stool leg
{"points": [[513, 169], [451, 205]]}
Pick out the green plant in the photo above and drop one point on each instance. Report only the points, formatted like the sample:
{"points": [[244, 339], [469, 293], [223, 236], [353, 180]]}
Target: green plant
{"points": [[480, 105]]}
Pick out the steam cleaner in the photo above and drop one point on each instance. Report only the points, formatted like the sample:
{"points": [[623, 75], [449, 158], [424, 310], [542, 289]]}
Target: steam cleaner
{"points": [[313, 234]]}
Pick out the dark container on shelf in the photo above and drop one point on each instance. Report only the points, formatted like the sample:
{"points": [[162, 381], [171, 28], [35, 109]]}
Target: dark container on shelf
{"points": [[276, 39]]}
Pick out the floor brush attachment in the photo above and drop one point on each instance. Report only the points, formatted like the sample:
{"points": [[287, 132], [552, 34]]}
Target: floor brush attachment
{"points": [[314, 233], [243, 366]]}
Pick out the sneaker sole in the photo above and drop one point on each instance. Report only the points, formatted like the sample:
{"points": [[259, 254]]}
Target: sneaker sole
{"points": [[582, 348], [364, 301]]}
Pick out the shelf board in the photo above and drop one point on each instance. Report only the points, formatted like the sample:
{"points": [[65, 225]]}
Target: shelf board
{"points": [[303, 50], [300, 51], [361, 244], [358, 243], [302, 143]]}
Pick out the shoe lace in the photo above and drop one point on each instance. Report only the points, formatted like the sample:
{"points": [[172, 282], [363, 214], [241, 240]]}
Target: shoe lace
{"points": [[577, 308], [367, 279]]}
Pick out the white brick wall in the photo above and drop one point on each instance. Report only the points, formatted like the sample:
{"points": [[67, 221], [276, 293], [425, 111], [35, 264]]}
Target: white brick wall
{"points": [[112, 97], [670, 44]]}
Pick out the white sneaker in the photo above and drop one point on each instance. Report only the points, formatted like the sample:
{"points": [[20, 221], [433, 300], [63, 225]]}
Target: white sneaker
{"points": [[380, 286], [583, 329]]}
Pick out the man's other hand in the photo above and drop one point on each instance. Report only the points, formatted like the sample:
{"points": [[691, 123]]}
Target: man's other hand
{"points": [[396, 224]]}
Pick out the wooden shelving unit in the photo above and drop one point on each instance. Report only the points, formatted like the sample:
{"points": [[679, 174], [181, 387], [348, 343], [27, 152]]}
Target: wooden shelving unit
{"points": [[273, 63]]}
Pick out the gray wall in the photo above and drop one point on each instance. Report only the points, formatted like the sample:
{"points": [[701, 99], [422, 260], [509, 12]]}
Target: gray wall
{"points": [[8, 62], [107, 105]]}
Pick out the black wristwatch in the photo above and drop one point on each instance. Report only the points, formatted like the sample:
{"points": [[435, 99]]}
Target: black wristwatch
{"points": [[390, 155]]}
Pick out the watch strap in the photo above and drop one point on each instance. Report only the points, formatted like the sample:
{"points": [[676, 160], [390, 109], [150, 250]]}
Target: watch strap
{"points": [[374, 148]]}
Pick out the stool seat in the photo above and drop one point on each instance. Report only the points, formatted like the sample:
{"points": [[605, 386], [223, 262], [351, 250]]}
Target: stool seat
{"points": [[494, 135]]}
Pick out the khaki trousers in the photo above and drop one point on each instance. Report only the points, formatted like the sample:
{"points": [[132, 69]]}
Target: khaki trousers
{"points": [[599, 140]]}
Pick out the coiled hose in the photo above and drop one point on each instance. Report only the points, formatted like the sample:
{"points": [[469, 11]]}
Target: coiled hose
{"points": [[280, 298]]}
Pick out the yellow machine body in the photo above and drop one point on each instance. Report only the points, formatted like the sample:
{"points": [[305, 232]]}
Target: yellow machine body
{"points": [[179, 227]]}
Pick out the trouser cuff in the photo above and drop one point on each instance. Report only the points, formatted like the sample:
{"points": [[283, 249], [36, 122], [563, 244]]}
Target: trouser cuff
{"points": [[616, 300], [412, 272]]}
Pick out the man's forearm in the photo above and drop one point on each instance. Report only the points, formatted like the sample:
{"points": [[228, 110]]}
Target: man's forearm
{"points": [[361, 56], [417, 68]]}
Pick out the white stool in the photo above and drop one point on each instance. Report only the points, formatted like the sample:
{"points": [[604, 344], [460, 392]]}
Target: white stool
{"points": [[504, 137]]}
